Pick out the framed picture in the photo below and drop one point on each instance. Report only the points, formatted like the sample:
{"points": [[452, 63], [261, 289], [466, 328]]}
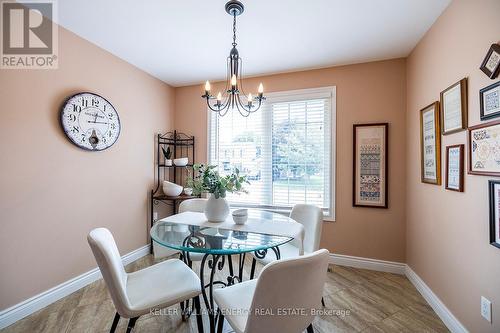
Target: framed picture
{"points": [[491, 63], [484, 152], [494, 186], [370, 165], [455, 168], [430, 144], [454, 107], [489, 101]]}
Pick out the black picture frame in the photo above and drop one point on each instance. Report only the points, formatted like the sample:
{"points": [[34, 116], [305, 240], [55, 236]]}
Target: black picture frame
{"points": [[491, 74], [493, 204], [481, 103]]}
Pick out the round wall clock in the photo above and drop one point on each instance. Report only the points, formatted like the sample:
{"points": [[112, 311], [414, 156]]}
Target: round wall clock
{"points": [[90, 121]]}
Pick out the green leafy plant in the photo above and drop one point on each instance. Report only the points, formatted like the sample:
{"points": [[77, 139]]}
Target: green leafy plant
{"points": [[206, 178], [167, 153]]}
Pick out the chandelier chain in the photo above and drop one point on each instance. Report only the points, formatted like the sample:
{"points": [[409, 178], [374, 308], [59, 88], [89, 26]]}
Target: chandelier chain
{"points": [[234, 29]]}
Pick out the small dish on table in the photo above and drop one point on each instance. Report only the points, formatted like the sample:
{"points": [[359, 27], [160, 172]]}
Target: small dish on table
{"points": [[240, 216]]}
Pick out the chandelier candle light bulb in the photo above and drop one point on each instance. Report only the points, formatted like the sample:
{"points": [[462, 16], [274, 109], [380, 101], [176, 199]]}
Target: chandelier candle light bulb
{"points": [[235, 94]]}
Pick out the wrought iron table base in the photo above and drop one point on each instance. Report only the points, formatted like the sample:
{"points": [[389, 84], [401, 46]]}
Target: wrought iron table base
{"points": [[217, 262]]}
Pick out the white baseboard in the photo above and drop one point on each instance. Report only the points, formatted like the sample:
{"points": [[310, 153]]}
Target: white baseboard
{"points": [[35, 303], [368, 263], [400, 268], [441, 310]]}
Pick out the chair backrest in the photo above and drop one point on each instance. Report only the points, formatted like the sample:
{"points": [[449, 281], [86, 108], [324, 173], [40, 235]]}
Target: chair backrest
{"points": [[193, 205], [311, 217], [108, 259], [295, 283]]}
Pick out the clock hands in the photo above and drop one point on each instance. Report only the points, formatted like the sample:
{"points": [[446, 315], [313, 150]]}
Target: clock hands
{"points": [[97, 122]]}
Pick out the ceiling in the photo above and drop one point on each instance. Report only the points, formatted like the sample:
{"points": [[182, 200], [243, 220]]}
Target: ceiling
{"points": [[187, 42]]}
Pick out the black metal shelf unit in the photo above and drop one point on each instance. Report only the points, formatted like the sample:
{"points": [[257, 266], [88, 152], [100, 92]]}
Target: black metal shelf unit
{"points": [[181, 145]]}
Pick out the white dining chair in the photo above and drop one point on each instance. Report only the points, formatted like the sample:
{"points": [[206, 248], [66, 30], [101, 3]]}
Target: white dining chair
{"points": [[155, 287], [311, 217], [189, 205], [193, 205], [260, 305]]}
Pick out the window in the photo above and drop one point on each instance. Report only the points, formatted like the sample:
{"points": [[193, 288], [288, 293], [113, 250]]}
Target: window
{"points": [[286, 149]]}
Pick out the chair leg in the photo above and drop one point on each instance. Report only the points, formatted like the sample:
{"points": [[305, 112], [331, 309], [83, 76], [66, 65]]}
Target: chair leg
{"points": [[115, 323], [220, 323], [310, 328], [183, 311], [323, 302], [252, 271], [199, 319], [131, 324]]}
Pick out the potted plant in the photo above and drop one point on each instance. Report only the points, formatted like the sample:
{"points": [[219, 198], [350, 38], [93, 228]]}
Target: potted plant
{"points": [[208, 180], [168, 154]]}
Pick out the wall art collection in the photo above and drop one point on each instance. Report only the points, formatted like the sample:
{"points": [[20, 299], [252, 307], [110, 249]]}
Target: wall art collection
{"points": [[450, 115]]}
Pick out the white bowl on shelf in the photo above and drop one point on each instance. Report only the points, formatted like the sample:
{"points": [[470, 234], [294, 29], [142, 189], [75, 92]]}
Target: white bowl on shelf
{"points": [[183, 161], [240, 216], [188, 191], [171, 189]]}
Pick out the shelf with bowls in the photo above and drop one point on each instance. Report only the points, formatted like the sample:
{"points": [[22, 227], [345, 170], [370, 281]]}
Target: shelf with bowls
{"points": [[171, 173]]}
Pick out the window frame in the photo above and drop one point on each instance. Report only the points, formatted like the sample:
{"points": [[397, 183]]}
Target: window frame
{"points": [[288, 96]]}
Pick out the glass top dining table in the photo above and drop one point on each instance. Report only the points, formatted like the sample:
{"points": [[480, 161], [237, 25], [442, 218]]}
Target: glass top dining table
{"points": [[217, 246], [212, 240]]}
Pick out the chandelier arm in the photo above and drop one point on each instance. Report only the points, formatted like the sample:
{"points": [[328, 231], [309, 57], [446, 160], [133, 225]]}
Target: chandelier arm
{"points": [[218, 110], [226, 110], [247, 109], [238, 104], [228, 78], [210, 107], [240, 75]]}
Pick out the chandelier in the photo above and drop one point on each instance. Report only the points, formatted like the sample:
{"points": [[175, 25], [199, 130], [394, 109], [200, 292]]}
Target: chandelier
{"points": [[234, 86]]}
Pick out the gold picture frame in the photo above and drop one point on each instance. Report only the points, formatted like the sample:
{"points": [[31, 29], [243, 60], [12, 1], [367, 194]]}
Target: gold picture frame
{"points": [[430, 144], [453, 104]]}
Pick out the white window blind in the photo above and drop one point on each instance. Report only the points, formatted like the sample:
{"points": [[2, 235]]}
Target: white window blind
{"points": [[285, 149]]}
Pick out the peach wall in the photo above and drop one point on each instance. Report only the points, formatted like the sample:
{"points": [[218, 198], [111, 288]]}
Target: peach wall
{"points": [[52, 193], [370, 92], [447, 232]]}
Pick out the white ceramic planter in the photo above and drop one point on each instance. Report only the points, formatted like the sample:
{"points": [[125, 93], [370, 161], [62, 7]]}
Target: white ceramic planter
{"points": [[216, 210]]}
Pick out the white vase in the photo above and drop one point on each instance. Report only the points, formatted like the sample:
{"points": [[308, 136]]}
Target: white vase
{"points": [[216, 210]]}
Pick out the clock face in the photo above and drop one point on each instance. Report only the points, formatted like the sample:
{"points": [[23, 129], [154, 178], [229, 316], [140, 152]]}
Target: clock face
{"points": [[90, 121]]}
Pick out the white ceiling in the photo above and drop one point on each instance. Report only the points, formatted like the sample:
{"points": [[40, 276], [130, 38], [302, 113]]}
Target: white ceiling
{"points": [[186, 42]]}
